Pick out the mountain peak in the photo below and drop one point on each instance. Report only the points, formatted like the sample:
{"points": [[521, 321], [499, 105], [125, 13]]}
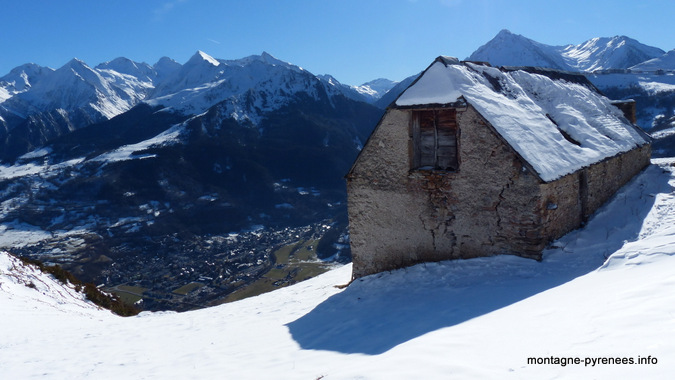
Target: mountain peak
{"points": [[505, 32], [164, 61], [267, 59], [200, 56], [267, 56], [507, 35], [26, 67], [77, 66], [375, 89], [121, 65], [270, 59], [509, 49], [165, 67], [380, 82], [23, 77], [118, 61], [75, 63]]}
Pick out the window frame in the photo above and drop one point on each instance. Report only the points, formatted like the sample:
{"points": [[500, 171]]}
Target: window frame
{"points": [[436, 146]]}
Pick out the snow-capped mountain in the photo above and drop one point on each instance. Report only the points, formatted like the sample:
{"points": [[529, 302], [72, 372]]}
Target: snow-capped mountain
{"points": [[251, 87], [665, 62], [602, 295], [391, 95], [334, 87], [375, 89], [38, 104], [619, 52], [77, 86], [602, 53], [619, 66], [21, 79], [205, 149], [509, 49]]}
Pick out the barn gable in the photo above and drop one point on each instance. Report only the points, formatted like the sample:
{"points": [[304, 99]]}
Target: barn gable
{"points": [[558, 122], [473, 161]]}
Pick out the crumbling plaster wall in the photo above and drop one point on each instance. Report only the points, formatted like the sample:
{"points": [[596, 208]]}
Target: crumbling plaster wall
{"points": [[400, 217]]}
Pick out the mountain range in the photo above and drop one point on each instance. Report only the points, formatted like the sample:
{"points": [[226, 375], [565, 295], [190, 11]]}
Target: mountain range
{"points": [[133, 159], [619, 66], [602, 53], [114, 169], [38, 104]]}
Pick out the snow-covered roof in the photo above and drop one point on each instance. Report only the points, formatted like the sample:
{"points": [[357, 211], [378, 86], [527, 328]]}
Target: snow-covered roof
{"points": [[557, 122]]}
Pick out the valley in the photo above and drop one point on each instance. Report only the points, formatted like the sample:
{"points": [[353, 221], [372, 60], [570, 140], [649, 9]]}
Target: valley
{"points": [[183, 273]]}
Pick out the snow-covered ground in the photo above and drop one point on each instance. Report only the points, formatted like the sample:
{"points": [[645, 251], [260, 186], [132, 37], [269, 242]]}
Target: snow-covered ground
{"points": [[605, 291]]}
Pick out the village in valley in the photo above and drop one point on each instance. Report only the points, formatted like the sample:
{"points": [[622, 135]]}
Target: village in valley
{"points": [[183, 274]]}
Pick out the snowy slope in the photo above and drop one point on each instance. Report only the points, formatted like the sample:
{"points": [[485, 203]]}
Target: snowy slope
{"points": [[252, 85], [600, 53], [26, 290], [248, 87], [77, 86], [664, 62], [21, 79], [44, 104], [601, 292], [375, 89], [509, 49], [619, 52]]}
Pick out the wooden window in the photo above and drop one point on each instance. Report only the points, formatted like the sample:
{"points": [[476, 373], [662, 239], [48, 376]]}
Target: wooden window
{"points": [[434, 137]]}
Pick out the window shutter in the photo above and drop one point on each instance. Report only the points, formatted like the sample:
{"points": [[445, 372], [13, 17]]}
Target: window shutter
{"points": [[427, 139], [446, 148], [434, 134]]}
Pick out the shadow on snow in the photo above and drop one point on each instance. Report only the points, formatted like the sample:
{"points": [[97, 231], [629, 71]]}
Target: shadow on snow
{"points": [[379, 312]]}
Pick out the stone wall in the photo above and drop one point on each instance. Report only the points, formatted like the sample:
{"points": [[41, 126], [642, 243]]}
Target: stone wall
{"points": [[606, 177], [569, 201], [492, 205], [382, 212], [400, 217], [561, 206]]}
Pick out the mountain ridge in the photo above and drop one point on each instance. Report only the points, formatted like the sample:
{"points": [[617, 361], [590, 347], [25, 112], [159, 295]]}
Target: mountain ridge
{"points": [[618, 52], [78, 95], [245, 154]]}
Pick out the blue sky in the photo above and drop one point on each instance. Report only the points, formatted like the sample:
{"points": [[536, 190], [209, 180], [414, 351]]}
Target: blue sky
{"points": [[353, 40]]}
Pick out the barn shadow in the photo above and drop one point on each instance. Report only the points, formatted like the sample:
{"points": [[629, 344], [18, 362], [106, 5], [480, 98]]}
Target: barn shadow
{"points": [[380, 312]]}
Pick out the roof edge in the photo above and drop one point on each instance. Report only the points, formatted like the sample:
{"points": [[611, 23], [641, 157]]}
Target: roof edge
{"points": [[444, 59]]}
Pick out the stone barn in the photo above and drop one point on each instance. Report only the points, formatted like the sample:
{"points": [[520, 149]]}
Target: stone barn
{"points": [[473, 160]]}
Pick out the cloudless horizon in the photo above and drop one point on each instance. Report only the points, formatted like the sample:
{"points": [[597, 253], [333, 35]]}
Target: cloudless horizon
{"points": [[353, 40]]}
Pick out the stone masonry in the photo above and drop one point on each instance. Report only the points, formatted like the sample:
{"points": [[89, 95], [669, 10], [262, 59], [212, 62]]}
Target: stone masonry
{"points": [[494, 204]]}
